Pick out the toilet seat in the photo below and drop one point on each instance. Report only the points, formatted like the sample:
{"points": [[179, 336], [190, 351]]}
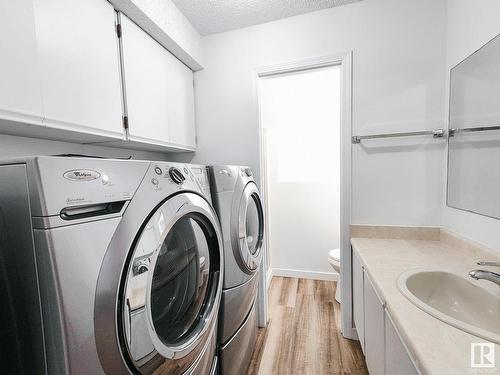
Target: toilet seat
{"points": [[334, 258], [334, 255]]}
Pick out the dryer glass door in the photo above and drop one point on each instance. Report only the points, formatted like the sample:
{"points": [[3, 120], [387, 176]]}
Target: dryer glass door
{"points": [[173, 285], [253, 225], [250, 226]]}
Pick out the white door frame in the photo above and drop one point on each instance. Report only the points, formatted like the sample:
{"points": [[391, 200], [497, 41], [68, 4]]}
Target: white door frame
{"points": [[344, 60]]}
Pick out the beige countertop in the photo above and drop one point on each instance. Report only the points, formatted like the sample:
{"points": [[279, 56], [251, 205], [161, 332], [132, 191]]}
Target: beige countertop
{"points": [[436, 347]]}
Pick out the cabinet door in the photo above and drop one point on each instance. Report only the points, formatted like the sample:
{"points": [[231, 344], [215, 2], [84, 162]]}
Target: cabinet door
{"points": [[159, 91], [79, 65], [358, 298], [20, 96], [181, 103], [145, 66], [397, 360], [374, 330]]}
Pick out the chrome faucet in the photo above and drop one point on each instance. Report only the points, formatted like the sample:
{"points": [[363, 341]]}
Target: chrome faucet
{"points": [[486, 275]]}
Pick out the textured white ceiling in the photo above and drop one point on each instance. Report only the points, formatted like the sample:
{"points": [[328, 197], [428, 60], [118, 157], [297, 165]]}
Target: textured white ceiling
{"points": [[215, 16]]}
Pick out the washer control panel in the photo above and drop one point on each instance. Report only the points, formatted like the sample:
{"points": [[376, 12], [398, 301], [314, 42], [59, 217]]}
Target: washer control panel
{"points": [[176, 175], [166, 176]]}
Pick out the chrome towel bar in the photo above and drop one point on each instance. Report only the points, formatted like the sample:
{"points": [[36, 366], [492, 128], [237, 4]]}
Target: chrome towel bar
{"points": [[452, 132], [436, 133]]}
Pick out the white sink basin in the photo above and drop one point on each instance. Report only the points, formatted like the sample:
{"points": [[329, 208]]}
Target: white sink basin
{"points": [[454, 300]]}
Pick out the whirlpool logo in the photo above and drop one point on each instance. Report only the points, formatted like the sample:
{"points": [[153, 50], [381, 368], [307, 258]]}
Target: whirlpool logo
{"points": [[81, 175]]}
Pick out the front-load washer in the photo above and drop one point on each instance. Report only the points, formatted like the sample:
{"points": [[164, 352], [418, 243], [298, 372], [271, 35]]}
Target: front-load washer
{"points": [[114, 266], [237, 201]]}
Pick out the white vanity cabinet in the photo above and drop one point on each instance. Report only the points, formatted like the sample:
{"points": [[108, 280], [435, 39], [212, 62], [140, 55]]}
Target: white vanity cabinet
{"points": [[79, 66], [158, 90], [385, 352], [397, 360], [358, 298], [20, 96], [374, 330]]}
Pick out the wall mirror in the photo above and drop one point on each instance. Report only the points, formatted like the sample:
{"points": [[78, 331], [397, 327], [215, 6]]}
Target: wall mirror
{"points": [[474, 132]]}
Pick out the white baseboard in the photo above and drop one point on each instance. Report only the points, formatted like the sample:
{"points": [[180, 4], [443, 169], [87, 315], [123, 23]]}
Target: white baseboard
{"points": [[313, 275]]}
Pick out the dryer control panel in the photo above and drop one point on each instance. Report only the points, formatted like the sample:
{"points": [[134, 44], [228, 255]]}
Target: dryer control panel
{"points": [[200, 173]]}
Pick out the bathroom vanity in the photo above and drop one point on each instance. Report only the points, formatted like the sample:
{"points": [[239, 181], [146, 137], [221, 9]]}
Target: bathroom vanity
{"points": [[426, 301], [396, 335]]}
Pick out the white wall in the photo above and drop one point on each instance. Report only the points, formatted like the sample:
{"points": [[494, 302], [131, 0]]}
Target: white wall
{"points": [[165, 22], [470, 24], [302, 111], [398, 73]]}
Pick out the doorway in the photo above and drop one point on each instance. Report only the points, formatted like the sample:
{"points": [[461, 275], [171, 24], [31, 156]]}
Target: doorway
{"points": [[305, 119], [300, 116]]}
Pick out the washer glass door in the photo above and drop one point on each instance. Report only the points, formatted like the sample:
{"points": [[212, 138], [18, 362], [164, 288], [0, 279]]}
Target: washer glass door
{"points": [[180, 280], [173, 282]]}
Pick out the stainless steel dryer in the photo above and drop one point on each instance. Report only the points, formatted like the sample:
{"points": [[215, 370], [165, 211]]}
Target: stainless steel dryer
{"points": [[237, 201], [116, 266]]}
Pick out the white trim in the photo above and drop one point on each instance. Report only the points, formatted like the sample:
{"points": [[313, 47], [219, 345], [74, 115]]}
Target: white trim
{"points": [[347, 322], [298, 65], [270, 275], [302, 274], [156, 142], [85, 129], [262, 304], [343, 59], [22, 117], [266, 272]]}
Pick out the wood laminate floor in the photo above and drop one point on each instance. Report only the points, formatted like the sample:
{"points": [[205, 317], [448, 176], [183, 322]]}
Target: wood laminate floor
{"points": [[303, 334]]}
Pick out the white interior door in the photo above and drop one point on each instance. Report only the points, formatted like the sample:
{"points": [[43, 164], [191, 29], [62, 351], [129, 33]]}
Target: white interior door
{"points": [[20, 96]]}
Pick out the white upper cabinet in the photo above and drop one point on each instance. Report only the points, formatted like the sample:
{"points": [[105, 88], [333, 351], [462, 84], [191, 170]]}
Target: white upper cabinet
{"points": [[158, 91], [145, 74], [181, 98], [63, 66], [79, 65], [20, 96]]}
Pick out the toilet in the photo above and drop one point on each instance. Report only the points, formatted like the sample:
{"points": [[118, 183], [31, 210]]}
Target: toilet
{"points": [[334, 260]]}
